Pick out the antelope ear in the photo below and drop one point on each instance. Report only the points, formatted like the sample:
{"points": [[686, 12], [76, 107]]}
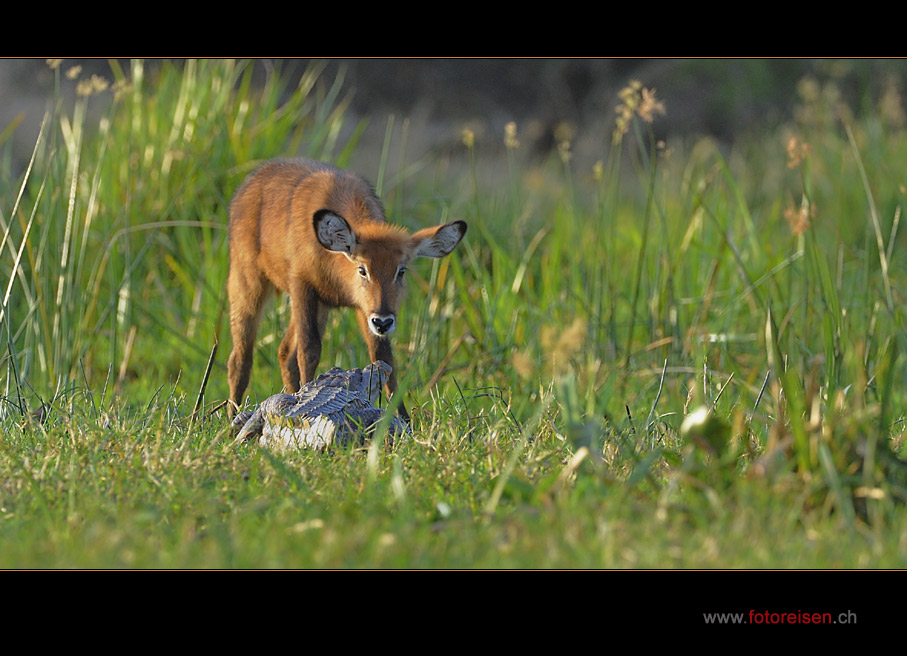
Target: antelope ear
{"points": [[439, 241], [333, 232]]}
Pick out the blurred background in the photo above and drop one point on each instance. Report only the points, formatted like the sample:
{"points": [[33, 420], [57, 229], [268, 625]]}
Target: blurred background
{"points": [[151, 192], [549, 99]]}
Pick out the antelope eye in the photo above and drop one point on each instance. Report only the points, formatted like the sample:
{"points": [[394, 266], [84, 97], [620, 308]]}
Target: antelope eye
{"points": [[363, 272], [400, 273]]}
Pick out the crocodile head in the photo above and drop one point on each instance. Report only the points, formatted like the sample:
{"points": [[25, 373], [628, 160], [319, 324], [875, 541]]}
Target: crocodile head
{"points": [[372, 380]]}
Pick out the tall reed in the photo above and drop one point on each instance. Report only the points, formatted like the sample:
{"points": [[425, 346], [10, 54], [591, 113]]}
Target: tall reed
{"points": [[115, 241]]}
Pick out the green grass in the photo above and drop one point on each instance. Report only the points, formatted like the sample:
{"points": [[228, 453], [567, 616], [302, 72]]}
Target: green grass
{"points": [[549, 362]]}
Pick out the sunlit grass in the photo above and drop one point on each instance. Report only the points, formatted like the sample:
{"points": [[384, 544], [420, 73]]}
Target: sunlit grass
{"points": [[549, 363]]}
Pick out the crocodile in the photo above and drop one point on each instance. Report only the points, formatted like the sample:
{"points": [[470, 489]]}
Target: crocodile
{"points": [[335, 408]]}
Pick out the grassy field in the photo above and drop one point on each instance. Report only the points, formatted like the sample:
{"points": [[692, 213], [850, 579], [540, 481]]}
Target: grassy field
{"points": [[680, 356]]}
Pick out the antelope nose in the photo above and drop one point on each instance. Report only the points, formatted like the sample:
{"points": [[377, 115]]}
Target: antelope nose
{"points": [[382, 324]]}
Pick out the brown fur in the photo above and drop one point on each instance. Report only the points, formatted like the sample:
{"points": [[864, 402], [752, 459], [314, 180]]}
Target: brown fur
{"points": [[275, 242]]}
